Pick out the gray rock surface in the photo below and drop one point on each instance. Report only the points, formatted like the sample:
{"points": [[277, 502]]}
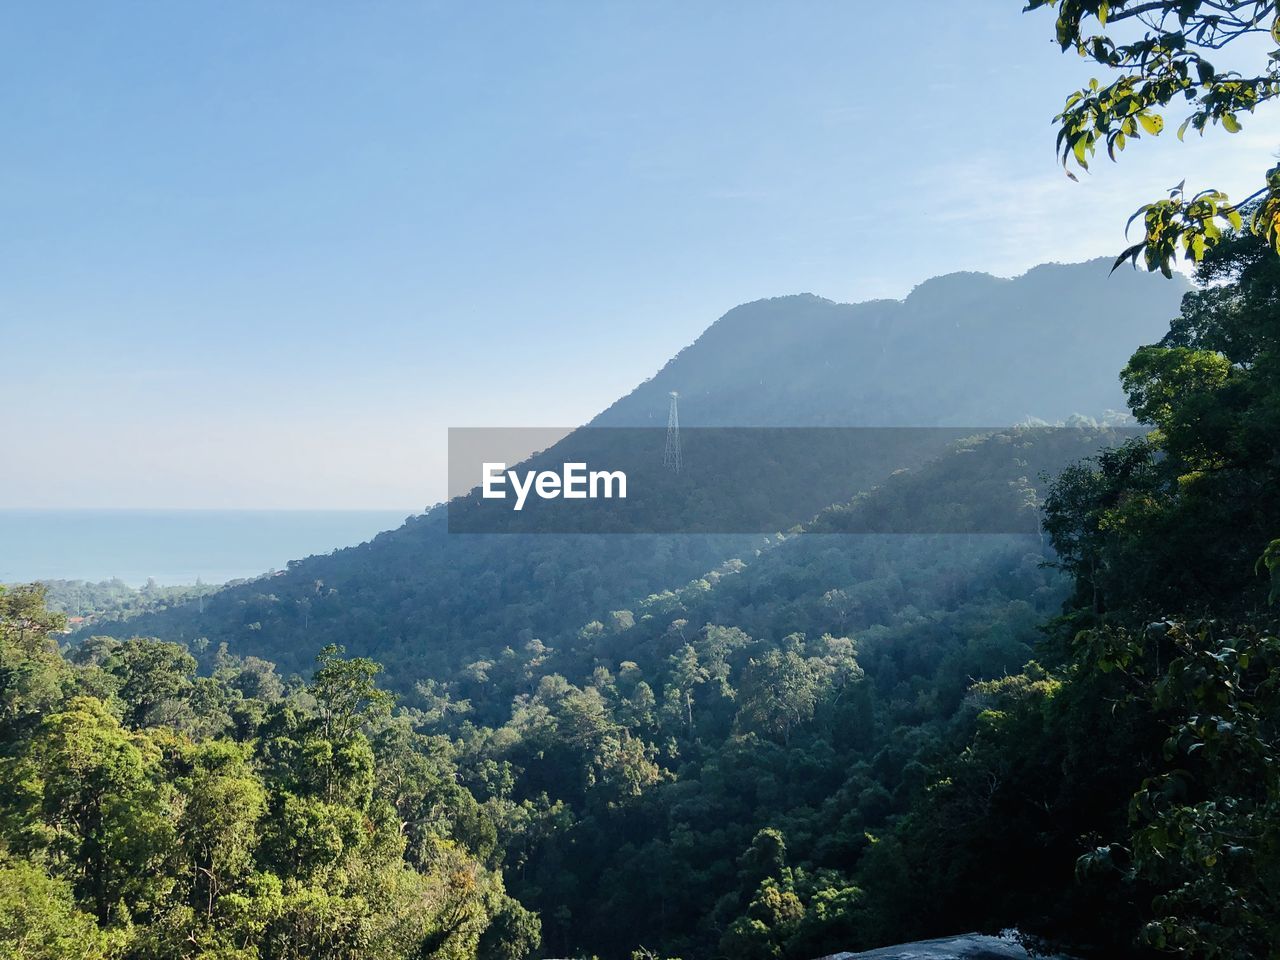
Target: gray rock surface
{"points": [[970, 947]]}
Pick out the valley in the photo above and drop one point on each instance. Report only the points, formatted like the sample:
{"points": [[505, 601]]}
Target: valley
{"points": [[708, 745]]}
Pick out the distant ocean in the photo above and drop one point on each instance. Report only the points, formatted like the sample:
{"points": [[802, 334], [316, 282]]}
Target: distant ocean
{"points": [[174, 546]]}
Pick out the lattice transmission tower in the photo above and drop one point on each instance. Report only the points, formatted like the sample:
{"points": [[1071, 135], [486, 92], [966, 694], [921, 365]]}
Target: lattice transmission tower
{"points": [[671, 455]]}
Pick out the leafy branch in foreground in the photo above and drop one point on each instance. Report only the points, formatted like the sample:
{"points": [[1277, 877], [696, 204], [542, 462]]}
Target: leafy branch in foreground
{"points": [[1168, 57]]}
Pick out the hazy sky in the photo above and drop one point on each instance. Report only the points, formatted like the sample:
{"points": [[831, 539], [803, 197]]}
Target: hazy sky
{"points": [[263, 254]]}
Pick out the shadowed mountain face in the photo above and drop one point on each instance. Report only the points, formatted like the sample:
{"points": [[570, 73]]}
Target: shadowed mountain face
{"points": [[966, 349], [961, 350]]}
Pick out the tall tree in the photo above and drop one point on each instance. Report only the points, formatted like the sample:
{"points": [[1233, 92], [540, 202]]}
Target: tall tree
{"points": [[347, 692]]}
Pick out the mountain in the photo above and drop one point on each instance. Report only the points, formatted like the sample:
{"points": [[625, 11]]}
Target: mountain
{"points": [[964, 349], [711, 744]]}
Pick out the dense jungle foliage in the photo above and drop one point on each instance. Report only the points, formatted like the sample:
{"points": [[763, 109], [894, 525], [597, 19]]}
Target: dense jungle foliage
{"points": [[745, 747], [146, 811], [834, 741]]}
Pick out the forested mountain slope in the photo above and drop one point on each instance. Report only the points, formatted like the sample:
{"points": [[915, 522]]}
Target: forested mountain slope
{"points": [[720, 754], [962, 349], [756, 711], [1123, 794], [838, 738]]}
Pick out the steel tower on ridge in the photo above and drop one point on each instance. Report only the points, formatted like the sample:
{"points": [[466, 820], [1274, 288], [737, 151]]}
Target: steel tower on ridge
{"points": [[671, 455]]}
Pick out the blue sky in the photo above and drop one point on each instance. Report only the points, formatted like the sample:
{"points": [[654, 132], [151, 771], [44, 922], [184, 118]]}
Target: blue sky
{"points": [[264, 254]]}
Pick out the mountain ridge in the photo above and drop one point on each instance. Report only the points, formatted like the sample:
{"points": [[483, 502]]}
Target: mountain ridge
{"points": [[935, 323], [428, 600]]}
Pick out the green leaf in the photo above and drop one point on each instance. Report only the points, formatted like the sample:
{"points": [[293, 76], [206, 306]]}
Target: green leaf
{"points": [[1078, 150]]}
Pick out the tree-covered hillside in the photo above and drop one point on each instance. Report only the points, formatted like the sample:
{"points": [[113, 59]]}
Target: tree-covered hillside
{"points": [[115, 599], [147, 812], [829, 746], [646, 784], [1021, 678], [791, 704], [964, 350], [1122, 793], [825, 739]]}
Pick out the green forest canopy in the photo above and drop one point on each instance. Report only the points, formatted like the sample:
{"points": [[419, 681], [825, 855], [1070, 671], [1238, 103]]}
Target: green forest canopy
{"points": [[835, 742]]}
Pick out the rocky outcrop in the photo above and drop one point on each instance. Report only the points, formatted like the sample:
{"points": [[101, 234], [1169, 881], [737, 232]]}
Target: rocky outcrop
{"points": [[970, 947]]}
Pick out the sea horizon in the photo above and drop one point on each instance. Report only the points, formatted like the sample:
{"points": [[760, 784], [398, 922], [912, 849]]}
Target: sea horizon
{"points": [[174, 546]]}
